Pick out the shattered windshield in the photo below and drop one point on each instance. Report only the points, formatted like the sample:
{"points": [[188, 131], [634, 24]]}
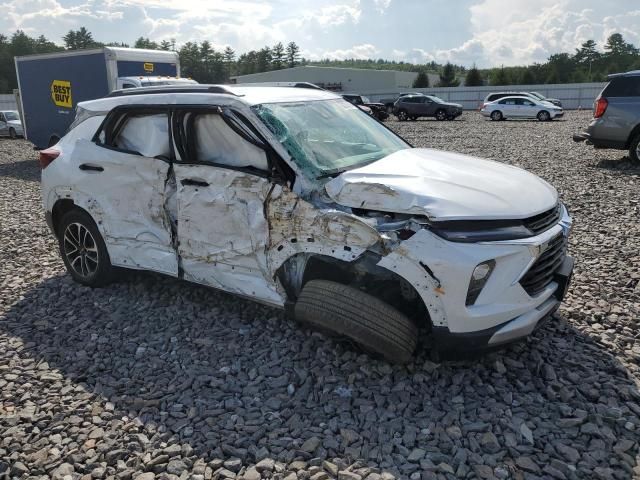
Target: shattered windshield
{"points": [[328, 137]]}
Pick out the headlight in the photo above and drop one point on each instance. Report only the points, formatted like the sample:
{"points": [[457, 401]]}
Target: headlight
{"points": [[479, 278]]}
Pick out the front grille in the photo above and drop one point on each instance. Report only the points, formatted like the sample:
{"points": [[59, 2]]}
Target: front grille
{"points": [[541, 272], [543, 221]]}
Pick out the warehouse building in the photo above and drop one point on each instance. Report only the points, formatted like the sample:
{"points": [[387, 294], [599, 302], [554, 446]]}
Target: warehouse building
{"points": [[337, 79]]}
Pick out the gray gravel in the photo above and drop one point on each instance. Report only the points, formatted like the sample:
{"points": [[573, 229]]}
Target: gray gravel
{"points": [[153, 378]]}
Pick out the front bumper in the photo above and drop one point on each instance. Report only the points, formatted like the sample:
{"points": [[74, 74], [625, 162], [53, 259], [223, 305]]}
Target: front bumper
{"points": [[513, 330], [504, 311]]}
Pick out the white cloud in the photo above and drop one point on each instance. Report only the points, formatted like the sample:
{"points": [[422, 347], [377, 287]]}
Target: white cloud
{"points": [[362, 52], [515, 32]]}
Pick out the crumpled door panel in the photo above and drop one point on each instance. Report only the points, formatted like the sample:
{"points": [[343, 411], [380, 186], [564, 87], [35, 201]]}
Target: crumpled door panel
{"points": [[127, 200], [222, 230]]}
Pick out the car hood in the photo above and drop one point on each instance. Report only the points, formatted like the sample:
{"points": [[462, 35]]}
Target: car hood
{"points": [[15, 123], [443, 186]]}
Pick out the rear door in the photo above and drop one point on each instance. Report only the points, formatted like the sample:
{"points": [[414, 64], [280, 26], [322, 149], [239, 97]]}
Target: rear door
{"points": [[222, 185], [4, 126], [508, 107], [124, 173]]}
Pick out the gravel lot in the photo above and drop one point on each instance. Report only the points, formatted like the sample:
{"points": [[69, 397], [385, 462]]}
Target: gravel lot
{"points": [[153, 377]]}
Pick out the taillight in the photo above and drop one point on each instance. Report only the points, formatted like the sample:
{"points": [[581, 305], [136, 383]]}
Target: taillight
{"points": [[599, 107], [47, 156]]}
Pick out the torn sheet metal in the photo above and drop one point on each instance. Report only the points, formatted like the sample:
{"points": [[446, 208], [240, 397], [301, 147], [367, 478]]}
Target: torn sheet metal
{"points": [[130, 211], [443, 186], [218, 143], [297, 226], [222, 230], [148, 135]]}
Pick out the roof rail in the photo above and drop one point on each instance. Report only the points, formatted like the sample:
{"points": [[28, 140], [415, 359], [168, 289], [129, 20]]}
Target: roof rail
{"points": [[171, 89], [632, 73]]}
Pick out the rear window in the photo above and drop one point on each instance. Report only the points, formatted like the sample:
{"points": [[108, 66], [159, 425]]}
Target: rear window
{"points": [[623, 87]]}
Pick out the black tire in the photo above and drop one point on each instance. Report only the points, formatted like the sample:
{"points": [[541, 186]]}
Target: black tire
{"points": [[91, 266], [634, 149], [12, 134], [351, 313], [544, 116], [496, 115], [441, 115], [402, 115]]}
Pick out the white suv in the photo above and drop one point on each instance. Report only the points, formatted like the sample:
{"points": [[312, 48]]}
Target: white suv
{"points": [[296, 198]]}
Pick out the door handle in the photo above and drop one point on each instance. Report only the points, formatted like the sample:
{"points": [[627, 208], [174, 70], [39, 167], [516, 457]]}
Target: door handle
{"points": [[91, 168], [195, 183]]}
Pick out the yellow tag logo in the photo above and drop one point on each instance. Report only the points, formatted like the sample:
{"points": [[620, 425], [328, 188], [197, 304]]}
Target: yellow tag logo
{"points": [[148, 67], [61, 93]]}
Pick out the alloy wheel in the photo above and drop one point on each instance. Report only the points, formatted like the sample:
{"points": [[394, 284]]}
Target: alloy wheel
{"points": [[80, 249]]}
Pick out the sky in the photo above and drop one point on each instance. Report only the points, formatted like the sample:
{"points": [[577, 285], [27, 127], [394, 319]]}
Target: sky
{"points": [[483, 32]]}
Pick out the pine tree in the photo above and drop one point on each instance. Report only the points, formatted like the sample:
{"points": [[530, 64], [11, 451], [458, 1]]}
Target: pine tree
{"points": [[421, 81], [229, 61], [448, 77], [473, 78], [277, 56], [499, 76], [78, 39], [293, 54]]}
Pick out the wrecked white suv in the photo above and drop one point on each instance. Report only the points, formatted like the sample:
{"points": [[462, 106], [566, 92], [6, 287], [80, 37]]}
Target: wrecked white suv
{"points": [[296, 198]]}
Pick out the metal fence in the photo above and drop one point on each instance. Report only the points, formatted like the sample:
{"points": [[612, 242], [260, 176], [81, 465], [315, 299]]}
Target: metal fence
{"points": [[572, 95], [8, 102]]}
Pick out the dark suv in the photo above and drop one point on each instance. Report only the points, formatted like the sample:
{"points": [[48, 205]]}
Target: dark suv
{"points": [[616, 116], [411, 107]]}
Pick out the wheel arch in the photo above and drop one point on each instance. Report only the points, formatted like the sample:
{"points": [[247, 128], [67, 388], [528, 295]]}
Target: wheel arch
{"points": [[635, 132], [363, 273]]}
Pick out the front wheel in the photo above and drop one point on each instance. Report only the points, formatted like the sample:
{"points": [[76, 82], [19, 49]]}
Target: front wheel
{"points": [[12, 134], [83, 250], [352, 313], [634, 149], [402, 115], [496, 116], [544, 116], [441, 115]]}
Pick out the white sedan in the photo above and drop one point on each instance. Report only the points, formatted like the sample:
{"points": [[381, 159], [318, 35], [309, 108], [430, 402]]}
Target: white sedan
{"points": [[520, 107]]}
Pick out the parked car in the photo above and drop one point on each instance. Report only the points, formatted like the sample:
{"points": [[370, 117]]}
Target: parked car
{"points": [[492, 97], [293, 198], [616, 116], [541, 97], [412, 107], [10, 124], [378, 110], [521, 107], [389, 102]]}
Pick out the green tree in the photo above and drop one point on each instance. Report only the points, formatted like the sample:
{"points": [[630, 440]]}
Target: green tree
{"points": [[277, 56], [473, 78], [448, 76], [142, 42], [80, 39], [527, 77], [263, 60], [421, 81], [165, 45], [499, 76], [229, 61], [293, 54]]}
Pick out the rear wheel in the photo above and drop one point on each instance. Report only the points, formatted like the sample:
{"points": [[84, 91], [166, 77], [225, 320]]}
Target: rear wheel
{"points": [[365, 319], [441, 115], [496, 115], [83, 250], [634, 149], [12, 133], [403, 115], [544, 116], [413, 118]]}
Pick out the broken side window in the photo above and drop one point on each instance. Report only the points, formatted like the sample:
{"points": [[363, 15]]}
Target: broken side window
{"points": [[144, 133], [215, 142]]}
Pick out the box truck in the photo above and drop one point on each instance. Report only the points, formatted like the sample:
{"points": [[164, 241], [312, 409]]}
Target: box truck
{"points": [[51, 85]]}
